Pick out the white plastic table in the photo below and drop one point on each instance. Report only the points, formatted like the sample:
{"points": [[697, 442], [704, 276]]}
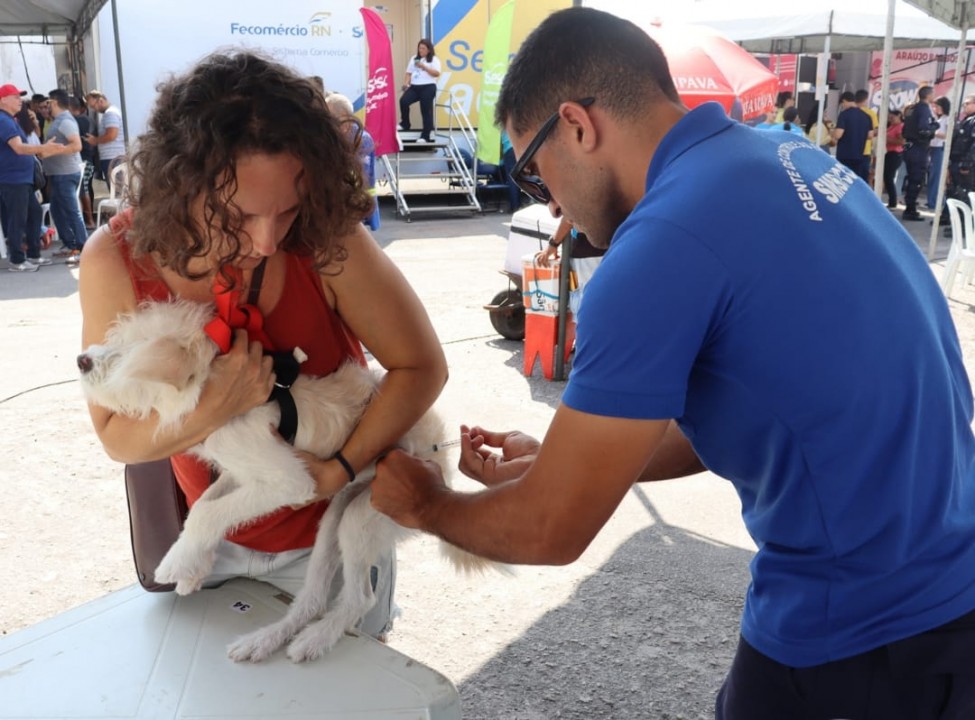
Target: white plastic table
{"points": [[133, 654]]}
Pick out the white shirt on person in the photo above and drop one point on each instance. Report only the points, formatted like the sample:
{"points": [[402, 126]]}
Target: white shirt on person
{"points": [[419, 76]]}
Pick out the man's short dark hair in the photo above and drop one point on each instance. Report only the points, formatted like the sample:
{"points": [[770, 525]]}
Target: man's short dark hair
{"points": [[848, 97], [861, 96], [61, 97], [925, 92], [581, 52], [38, 98]]}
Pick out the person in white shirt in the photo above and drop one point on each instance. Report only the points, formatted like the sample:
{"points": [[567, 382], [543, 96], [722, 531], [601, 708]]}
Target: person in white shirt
{"points": [[420, 86], [111, 140], [942, 109]]}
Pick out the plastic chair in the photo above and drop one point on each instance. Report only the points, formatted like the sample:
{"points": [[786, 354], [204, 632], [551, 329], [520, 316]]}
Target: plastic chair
{"points": [[113, 203], [961, 254]]}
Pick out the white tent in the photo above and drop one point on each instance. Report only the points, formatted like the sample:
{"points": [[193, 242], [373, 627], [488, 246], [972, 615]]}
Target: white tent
{"points": [[70, 18], [956, 13], [848, 26]]}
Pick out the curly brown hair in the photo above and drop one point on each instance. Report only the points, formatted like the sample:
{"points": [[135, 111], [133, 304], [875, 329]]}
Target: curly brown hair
{"points": [[228, 105]]}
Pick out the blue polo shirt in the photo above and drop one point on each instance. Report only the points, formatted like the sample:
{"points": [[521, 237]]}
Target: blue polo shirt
{"points": [[856, 126], [14, 169], [762, 296]]}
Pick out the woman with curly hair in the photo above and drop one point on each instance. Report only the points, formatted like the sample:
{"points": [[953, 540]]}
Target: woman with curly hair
{"points": [[245, 184]]}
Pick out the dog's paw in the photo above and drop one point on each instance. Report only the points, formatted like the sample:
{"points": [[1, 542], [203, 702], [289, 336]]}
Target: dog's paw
{"points": [[187, 569], [257, 646], [314, 641]]}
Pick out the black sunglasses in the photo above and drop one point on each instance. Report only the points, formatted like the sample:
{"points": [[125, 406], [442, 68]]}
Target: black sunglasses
{"points": [[532, 185]]}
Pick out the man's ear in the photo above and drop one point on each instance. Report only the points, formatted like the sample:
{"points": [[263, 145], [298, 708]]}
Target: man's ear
{"points": [[580, 121]]}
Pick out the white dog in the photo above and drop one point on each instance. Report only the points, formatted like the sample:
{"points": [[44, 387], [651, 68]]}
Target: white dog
{"points": [[157, 360]]}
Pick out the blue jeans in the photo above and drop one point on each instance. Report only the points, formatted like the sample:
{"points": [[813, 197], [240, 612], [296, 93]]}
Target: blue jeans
{"points": [[21, 215], [65, 210]]}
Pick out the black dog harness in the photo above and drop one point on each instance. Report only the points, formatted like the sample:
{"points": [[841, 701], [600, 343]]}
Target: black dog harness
{"points": [[230, 317]]}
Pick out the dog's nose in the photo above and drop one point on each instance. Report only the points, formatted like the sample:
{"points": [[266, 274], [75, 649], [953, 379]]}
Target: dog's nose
{"points": [[84, 363]]}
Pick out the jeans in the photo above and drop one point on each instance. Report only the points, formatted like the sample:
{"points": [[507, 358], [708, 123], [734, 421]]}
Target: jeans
{"points": [[934, 175], [65, 210], [892, 163], [287, 571], [21, 215], [425, 95]]}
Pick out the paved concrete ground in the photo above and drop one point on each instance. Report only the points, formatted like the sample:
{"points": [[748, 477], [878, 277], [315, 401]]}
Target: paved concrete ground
{"points": [[642, 626]]}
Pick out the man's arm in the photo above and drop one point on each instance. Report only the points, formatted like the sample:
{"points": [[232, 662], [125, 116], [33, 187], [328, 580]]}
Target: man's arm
{"points": [[673, 458], [106, 137], [550, 513], [73, 146], [22, 148]]}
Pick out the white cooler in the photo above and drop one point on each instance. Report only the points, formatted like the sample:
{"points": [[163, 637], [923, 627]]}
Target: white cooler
{"points": [[133, 654], [531, 227]]}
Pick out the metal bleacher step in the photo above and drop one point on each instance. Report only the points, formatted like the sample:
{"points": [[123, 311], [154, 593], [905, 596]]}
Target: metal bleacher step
{"points": [[438, 160]]}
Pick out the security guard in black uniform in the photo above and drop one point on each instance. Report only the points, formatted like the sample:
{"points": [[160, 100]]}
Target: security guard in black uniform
{"points": [[961, 166], [919, 128]]}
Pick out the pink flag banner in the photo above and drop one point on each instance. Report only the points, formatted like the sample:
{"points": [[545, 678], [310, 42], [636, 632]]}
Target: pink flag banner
{"points": [[380, 90]]}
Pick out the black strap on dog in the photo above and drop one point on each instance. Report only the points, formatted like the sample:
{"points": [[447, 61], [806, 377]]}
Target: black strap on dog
{"points": [[286, 369]]}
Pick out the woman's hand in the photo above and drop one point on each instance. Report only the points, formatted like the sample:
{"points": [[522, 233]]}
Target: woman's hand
{"points": [[330, 477], [240, 380], [479, 462]]}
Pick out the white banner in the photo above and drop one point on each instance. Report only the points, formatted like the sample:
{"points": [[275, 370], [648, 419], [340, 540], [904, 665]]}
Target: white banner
{"points": [[159, 38]]}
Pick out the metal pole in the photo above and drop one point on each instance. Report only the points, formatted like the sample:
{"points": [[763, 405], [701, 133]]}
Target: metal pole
{"points": [[822, 64], [955, 89], [564, 269], [121, 80], [880, 142]]}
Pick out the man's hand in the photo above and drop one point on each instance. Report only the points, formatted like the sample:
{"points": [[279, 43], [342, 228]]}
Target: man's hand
{"points": [[545, 257], [50, 148], [405, 488], [479, 462]]}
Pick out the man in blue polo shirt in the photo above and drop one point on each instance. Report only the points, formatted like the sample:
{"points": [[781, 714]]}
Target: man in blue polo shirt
{"points": [[759, 314], [853, 130], [18, 204]]}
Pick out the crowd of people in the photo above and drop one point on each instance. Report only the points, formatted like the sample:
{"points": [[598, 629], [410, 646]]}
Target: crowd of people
{"points": [[915, 144], [49, 156]]}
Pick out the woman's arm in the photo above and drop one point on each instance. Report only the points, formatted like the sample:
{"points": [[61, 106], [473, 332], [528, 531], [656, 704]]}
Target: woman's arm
{"points": [[383, 311], [240, 380], [432, 67]]}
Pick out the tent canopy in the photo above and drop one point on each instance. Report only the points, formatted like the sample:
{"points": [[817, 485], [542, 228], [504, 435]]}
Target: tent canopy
{"points": [[48, 17], [950, 12], [851, 25]]}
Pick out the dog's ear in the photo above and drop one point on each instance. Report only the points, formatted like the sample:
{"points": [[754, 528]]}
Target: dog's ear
{"points": [[169, 362]]}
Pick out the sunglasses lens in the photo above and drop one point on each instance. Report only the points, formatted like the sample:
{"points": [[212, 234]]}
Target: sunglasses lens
{"points": [[533, 186]]}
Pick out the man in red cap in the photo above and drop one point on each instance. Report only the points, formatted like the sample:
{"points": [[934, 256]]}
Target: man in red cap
{"points": [[18, 204]]}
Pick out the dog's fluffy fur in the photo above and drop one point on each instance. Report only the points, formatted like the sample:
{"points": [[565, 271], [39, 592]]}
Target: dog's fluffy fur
{"points": [[157, 360]]}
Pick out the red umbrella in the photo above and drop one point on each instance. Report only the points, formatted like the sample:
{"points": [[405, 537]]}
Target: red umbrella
{"points": [[707, 66]]}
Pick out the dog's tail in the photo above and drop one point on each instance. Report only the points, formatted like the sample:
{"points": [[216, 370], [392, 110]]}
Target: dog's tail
{"points": [[469, 564]]}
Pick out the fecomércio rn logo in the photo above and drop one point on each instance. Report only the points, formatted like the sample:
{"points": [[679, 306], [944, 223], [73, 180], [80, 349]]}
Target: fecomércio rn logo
{"points": [[318, 25]]}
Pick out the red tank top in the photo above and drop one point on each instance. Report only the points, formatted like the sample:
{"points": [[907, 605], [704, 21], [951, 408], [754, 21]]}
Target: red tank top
{"points": [[302, 318]]}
